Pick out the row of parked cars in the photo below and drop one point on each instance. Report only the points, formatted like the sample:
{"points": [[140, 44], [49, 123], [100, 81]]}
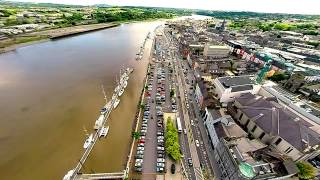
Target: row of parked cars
{"points": [[160, 99], [144, 127]]}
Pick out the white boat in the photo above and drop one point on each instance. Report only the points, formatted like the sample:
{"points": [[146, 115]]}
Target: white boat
{"points": [[69, 175], [106, 108], [121, 92], [99, 122], [116, 103], [124, 85], [88, 141], [104, 131], [117, 88]]}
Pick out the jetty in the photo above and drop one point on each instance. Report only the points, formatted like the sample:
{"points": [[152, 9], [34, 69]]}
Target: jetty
{"points": [[75, 173]]}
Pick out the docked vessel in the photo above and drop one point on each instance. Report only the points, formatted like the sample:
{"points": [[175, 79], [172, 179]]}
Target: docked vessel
{"points": [[116, 103], [105, 108], [121, 92], [69, 175], [88, 141], [99, 122], [104, 131]]}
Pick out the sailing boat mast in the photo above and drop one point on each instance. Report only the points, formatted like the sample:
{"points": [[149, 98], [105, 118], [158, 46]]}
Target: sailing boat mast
{"points": [[104, 94]]}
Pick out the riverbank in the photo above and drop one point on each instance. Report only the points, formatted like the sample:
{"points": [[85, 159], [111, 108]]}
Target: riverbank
{"points": [[42, 36]]}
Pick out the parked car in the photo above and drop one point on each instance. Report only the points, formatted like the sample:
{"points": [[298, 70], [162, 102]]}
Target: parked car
{"points": [[140, 148], [160, 169], [160, 155], [185, 131], [160, 165], [140, 152], [197, 143], [139, 156], [173, 168], [141, 145], [190, 162], [138, 169], [161, 160], [160, 148]]}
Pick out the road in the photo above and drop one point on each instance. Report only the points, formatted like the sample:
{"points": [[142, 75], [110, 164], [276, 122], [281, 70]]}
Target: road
{"points": [[197, 129], [187, 143]]}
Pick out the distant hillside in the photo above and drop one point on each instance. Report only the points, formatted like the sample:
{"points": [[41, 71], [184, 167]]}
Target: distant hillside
{"points": [[30, 4], [246, 14]]}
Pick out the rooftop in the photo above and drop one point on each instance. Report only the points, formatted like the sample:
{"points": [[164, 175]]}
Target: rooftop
{"points": [[289, 126], [232, 81]]}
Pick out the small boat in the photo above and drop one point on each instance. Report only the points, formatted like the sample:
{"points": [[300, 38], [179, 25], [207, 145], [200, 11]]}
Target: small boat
{"points": [[121, 92], [106, 108], [99, 122], [88, 141], [124, 85], [104, 131], [116, 103], [69, 175]]}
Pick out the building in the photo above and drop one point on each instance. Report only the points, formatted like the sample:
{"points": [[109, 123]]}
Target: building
{"points": [[265, 119], [214, 51], [240, 158], [229, 87], [244, 159]]}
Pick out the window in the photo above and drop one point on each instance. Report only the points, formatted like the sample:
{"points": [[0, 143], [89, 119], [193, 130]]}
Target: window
{"points": [[288, 150], [240, 116], [278, 141], [247, 123], [262, 135], [254, 128]]}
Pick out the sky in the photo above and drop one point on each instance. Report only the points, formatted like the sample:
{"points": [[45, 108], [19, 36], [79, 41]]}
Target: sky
{"points": [[272, 6]]}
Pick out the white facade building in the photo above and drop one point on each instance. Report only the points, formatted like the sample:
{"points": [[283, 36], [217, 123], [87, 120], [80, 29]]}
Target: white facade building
{"points": [[216, 51], [229, 87]]}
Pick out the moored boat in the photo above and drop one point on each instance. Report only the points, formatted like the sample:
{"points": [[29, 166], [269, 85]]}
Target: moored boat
{"points": [[88, 141], [116, 103], [104, 131], [99, 122]]}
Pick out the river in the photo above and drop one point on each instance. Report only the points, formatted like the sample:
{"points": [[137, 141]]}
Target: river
{"points": [[50, 92]]}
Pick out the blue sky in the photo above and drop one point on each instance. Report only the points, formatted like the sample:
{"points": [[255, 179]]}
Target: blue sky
{"points": [[273, 6]]}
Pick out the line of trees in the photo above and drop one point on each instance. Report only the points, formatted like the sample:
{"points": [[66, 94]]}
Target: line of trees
{"points": [[172, 141]]}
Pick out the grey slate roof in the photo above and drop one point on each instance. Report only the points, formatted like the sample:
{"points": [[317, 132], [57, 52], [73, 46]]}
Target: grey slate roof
{"points": [[231, 81], [290, 127]]}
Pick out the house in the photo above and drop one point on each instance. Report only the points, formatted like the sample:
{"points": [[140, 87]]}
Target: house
{"points": [[229, 87], [216, 51], [265, 119]]}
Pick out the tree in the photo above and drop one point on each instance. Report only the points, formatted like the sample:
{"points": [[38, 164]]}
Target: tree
{"points": [[171, 93], [278, 77], [172, 141], [136, 135], [306, 170], [142, 106]]}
